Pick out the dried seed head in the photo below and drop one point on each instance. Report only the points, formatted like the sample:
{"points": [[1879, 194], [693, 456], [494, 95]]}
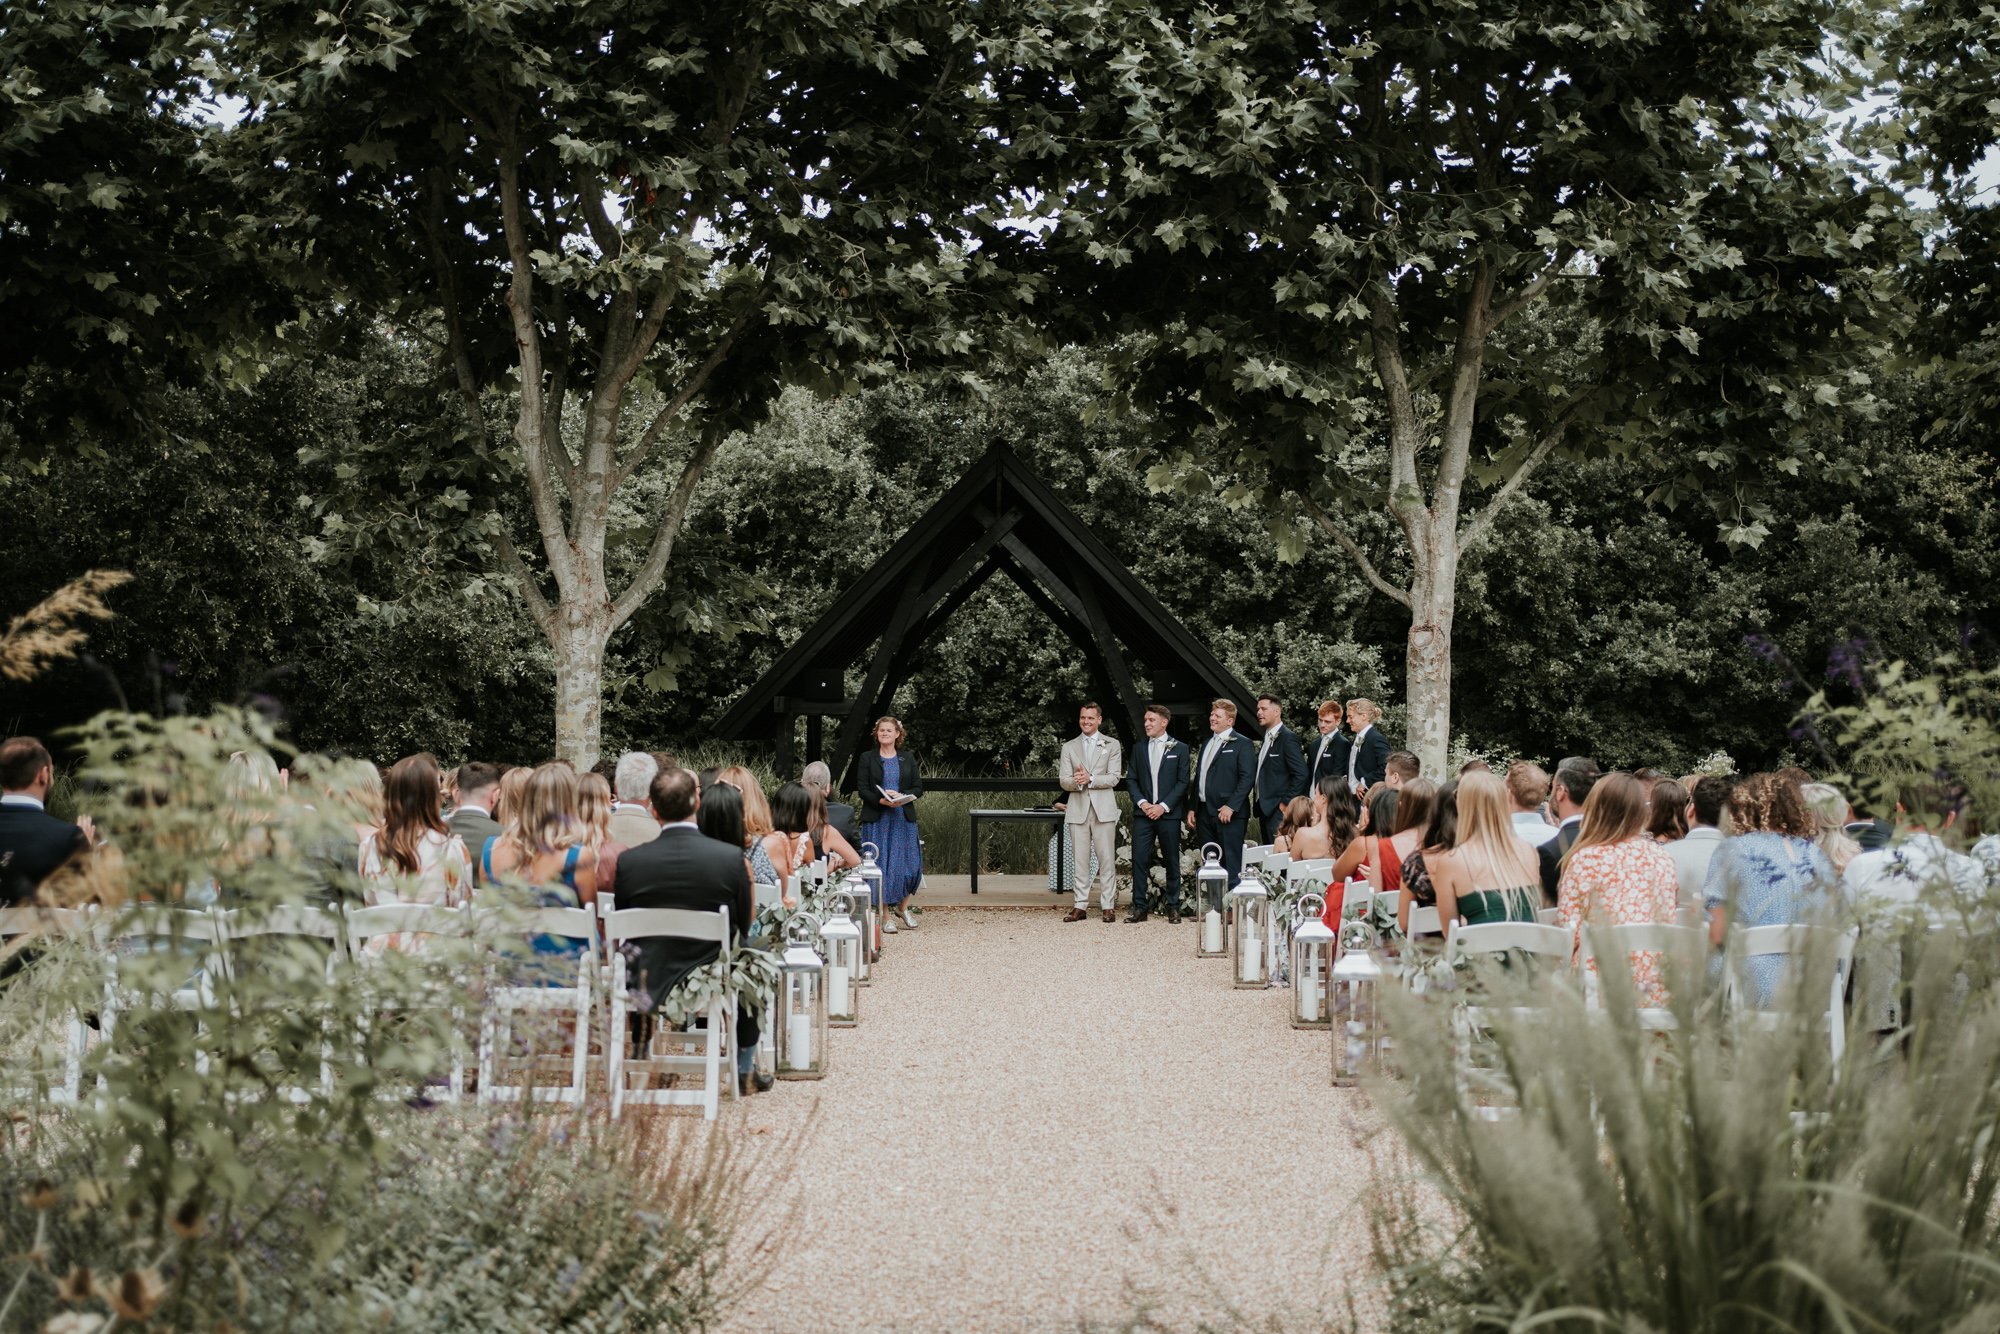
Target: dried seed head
{"points": [[187, 1221], [42, 1195], [138, 1294], [77, 1286]]}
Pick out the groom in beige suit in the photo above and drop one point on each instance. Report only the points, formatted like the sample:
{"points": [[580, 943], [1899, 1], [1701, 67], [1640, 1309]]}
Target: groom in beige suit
{"points": [[1093, 765]]}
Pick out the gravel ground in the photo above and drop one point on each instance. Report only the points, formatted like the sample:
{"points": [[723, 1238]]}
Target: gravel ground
{"points": [[1050, 1126]]}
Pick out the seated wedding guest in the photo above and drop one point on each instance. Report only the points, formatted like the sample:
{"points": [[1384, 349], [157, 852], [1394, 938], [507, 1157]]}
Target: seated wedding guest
{"points": [[683, 869], [757, 826], [827, 840], [1575, 776], [1405, 824], [1295, 815], [33, 843], [1346, 838], [1617, 873], [593, 809], [1490, 874], [1368, 752], [789, 844], [1693, 851], [1667, 818], [605, 768], [1400, 768], [1310, 839], [1829, 809], [472, 819], [1769, 872], [721, 818], [632, 821], [1921, 871], [708, 777], [839, 814], [1474, 766], [1440, 833], [547, 845], [413, 858], [1870, 834], [1527, 791]]}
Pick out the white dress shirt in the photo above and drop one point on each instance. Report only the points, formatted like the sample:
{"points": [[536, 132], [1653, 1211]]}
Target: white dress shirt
{"points": [[1157, 749], [1532, 827], [1354, 755], [22, 799], [1208, 753]]}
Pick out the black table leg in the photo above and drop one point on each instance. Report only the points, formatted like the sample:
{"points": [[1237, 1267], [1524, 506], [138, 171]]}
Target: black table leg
{"points": [[975, 852]]}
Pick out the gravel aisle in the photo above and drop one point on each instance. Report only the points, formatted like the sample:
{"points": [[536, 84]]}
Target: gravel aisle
{"points": [[1042, 1126]]}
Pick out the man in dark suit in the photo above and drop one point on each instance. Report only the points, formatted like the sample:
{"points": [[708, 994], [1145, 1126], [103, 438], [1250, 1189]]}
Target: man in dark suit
{"points": [[33, 843], [1329, 753], [683, 868], [1368, 754], [1157, 783], [1575, 776], [1281, 766], [472, 820], [839, 815], [1222, 787]]}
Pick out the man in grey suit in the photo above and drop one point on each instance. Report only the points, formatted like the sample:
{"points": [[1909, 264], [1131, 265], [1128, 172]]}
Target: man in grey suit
{"points": [[839, 815], [1093, 765], [472, 820]]}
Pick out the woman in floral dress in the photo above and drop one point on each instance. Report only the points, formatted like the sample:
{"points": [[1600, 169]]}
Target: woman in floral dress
{"points": [[1618, 874]]}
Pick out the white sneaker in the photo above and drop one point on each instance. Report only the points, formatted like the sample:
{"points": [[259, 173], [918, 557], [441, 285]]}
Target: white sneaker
{"points": [[910, 918], [889, 927]]}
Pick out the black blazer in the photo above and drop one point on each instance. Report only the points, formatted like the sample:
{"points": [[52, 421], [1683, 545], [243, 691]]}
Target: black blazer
{"points": [[682, 868], [32, 845], [1173, 778], [870, 776], [1333, 760], [1373, 766], [1551, 855], [1283, 775], [1229, 773], [840, 819]]}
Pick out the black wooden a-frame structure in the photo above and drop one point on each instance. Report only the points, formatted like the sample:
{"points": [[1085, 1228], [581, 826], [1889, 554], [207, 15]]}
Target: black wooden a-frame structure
{"points": [[999, 519]]}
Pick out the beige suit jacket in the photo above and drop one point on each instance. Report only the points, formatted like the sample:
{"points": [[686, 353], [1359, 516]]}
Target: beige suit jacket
{"points": [[631, 829], [1107, 771]]}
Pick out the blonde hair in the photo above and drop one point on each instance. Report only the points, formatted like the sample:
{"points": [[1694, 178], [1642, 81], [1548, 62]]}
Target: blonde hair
{"points": [[1368, 707], [548, 819], [507, 805], [756, 809], [1486, 826], [593, 808], [1829, 808]]}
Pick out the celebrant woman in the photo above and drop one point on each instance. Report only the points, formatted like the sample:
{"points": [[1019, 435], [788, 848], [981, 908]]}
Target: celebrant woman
{"points": [[890, 786]]}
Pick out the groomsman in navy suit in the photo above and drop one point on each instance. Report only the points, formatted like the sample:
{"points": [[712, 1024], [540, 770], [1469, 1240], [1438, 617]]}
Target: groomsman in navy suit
{"points": [[1228, 762], [1281, 766], [1157, 784], [1329, 754]]}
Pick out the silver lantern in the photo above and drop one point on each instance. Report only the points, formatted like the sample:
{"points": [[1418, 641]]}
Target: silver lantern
{"points": [[1357, 989], [1312, 964], [865, 917], [840, 938], [1211, 887], [870, 872], [1249, 930], [801, 1007]]}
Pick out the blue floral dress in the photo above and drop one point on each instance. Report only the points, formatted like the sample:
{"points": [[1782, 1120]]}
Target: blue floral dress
{"points": [[1768, 879]]}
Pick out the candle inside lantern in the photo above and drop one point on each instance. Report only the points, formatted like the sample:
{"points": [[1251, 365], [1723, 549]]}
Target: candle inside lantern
{"points": [[1309, 991], [798, 1042], [1211, 932], [1253, 957], [836, 990]]}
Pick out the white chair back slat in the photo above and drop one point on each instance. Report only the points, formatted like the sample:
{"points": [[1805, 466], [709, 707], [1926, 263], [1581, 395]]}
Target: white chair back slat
{"points": [[285, 919], [568, 923], [1424, 921], [1620, 941], [1355, 898], [680, 923], [156, 923], [35, 920], [1497, 937], [1255, 854], [764, 894], [429, 919], [1548, 916], [1312, 868], [1278, 862]]}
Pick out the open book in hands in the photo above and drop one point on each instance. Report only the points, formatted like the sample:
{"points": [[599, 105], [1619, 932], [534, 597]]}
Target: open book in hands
{"points": [[891, 797]]}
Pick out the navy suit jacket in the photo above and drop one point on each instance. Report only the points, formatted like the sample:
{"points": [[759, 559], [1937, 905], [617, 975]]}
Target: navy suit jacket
{"points": [[32, 845], [1229, 774], [1283, 775], [682, 868], [1373, 766], [1332, 761], [1173, 778]]}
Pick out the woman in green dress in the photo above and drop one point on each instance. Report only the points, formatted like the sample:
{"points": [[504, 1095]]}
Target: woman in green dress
{"points": [[1492, 874]]}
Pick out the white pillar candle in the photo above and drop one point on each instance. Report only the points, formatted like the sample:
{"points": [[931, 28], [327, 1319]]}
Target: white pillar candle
{"points": [[1308, 983], [837, 991], [1253, 958], [798, 1042], [1211, 932]]}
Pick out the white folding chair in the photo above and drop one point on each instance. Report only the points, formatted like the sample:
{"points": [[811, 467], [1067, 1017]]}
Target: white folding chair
{"points": [[1276, 862], [505, 1000], [142, 932], [714, 1047], [1356, 896], [764, 895], [366, 926], [1548, 916], [1795, 942], [36, 920], [280, 922], [1254, 855], [1424, 921], [1471, 1020], [1676, 945], [1311, 868]]}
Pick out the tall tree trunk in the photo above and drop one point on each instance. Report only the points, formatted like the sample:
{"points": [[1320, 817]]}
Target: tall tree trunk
{"points": [[1427, 673], [579, 642]]}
